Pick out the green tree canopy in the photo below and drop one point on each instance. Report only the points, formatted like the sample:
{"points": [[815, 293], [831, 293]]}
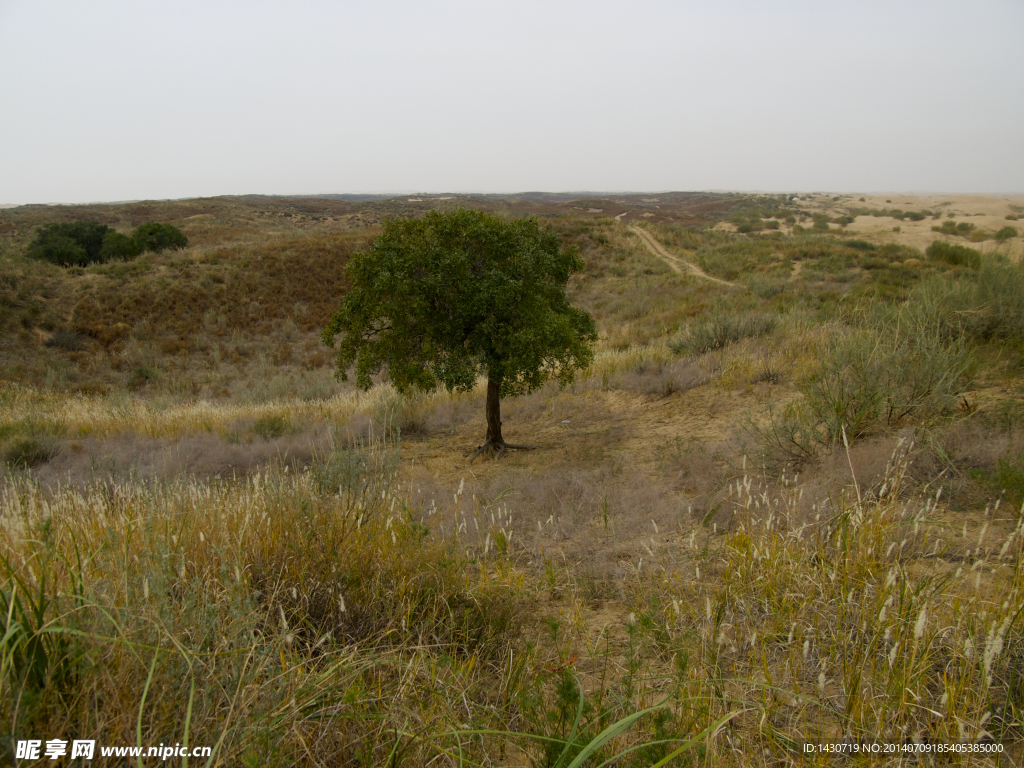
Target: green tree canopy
{"points": [[69, 244], [118, 247], [159, 237], [442, 300]]}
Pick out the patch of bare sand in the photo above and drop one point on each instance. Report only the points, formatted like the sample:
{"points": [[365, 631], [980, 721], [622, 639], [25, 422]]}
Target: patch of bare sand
{"points": [[986, 213]]}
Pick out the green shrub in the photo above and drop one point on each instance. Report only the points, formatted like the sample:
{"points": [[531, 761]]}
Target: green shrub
{"points": [[118, 247], [961, 229], [765, 287], [957, 255], [862, 380], [1006, 233], [1007, 477], [271, 427], [66, 340], [159, 237], [30, 451], [355, 473], [865, 382], [983, 305], [718, 330], [71, 244], [860, 245]]}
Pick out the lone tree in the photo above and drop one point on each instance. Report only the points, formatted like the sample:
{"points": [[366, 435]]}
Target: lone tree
{"points": [[453, 296]]}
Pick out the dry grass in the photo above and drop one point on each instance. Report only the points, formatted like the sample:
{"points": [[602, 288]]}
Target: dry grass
{"points": [[222, 541]]}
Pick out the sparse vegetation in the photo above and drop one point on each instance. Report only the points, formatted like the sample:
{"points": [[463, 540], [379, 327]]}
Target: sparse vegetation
{"points": [[206, 537], [718, 330]]}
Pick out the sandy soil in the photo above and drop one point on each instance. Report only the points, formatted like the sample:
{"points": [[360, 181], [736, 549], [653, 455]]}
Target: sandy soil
{"points": [[986, 213]]}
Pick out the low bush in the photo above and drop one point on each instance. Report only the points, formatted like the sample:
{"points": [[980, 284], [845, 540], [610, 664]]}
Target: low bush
{"points": [[865, 382], [1006, 479], [30, 451], [982, 305], [860, 245], [957, 255], [961, 229], [66, 340], [271, 427], [1006, 233], [718, 330]]}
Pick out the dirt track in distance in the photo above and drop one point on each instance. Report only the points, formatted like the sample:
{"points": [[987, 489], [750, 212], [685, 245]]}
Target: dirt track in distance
{"points": [[677, 264]]}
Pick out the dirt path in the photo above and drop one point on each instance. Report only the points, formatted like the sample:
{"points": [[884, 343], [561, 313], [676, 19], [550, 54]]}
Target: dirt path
{"points": [[677, 264]]}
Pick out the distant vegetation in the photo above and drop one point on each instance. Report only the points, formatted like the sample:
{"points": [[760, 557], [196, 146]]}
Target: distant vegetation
{"points": [[961, 228], [84, 242]]}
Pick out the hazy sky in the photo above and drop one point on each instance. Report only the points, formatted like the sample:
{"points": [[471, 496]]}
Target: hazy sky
{"points": [[126, 100]]}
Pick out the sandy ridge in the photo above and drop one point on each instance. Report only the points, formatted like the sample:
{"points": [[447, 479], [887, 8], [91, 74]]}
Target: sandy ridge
{"points": [[677, 264]]}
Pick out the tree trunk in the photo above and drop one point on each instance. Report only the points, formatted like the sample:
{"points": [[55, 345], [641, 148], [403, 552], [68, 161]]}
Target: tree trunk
{"points": [[494, 438]]}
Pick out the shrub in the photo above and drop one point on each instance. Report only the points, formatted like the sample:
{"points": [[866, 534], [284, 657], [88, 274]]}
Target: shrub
{"points": [[718, 330], [984, 305], [357, 473], [1006, 233], [72, 244], [957, 255], [863, 379], [860, 245], [1007, 477], [159, 237], [271, 427], [66, 340], [118, 247], [25, 452], [961, 229], [864, 382]]}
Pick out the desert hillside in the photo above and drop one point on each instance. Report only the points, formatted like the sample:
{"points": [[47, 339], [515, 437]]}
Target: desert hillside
{"points": [[784, 503]]}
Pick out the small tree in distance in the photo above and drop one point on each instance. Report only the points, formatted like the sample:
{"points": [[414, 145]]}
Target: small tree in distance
{"points": [[442, 300]]}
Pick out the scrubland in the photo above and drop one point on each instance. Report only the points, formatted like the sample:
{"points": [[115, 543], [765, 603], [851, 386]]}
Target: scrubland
{"points": [[787, 509]]}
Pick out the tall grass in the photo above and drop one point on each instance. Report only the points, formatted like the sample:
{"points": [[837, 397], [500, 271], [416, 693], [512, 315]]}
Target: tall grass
{"points": [[857, 620], [285, 618]]}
